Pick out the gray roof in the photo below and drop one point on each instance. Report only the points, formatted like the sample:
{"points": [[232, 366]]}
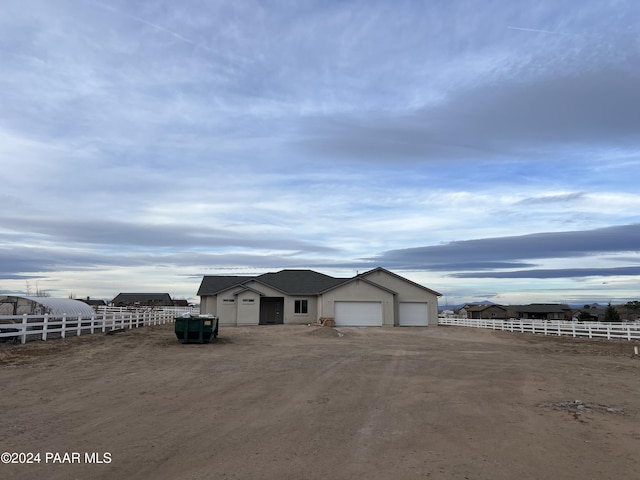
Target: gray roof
{"points": [[163, 299], [213, 284], [300, 282], [543, 308], [291, 282]]}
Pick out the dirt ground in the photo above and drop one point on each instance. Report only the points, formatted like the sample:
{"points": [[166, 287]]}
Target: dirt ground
{"points": [[300, 402]]}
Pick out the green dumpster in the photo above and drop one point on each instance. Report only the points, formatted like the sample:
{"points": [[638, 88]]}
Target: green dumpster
{"points": [[196, 328]]}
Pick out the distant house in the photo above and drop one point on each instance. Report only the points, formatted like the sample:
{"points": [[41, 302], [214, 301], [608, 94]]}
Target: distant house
{"points": [[486, 312], [374, 298], [592, 314], [180, 303], [93, 302], [542, 311], [142, 300]]}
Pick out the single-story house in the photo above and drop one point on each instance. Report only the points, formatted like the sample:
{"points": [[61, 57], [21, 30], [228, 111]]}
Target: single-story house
{"points": [[542, 311], [485, 311], [142, 300], [374, 298], [93, 302]]}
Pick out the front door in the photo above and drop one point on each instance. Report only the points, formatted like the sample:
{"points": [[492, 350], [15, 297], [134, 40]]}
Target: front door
{"points": [[271, 310]]}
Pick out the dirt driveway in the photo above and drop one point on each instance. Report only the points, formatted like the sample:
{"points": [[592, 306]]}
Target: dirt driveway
{"points": [[298, 402]]}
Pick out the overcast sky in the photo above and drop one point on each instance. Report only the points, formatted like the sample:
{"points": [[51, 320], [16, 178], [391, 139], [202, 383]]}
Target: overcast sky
{"points": [[487, 150]]}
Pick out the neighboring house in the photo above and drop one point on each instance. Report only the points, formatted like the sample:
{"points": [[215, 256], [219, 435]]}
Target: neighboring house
{"points": [[93, 302], [180, 302], [486, 312], [542, 311], [595, 314], [374, 298], [142, 300]]}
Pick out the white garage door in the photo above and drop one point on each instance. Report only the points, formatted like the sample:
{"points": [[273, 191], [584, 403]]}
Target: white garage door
{"points": [[358, 314], [414, 314]]}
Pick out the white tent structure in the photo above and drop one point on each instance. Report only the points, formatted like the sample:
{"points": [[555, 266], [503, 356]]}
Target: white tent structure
{"points": [[19, 305]]}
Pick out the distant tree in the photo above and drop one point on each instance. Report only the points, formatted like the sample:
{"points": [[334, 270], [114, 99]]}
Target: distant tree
{"points": [[41, 292], [584, 316], [611, 315]]}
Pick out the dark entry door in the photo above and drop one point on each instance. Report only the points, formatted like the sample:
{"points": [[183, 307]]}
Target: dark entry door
{"points": [[271, 310]]}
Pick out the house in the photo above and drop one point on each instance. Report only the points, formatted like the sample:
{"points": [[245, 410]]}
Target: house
{"points": [[142, 300], [374, 298], [591, 314], [542, 311], [486, 312], [95, 303]]}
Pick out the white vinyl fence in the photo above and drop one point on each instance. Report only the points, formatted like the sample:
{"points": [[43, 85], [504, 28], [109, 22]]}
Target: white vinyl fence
{"points": [[623, 331], [14, 327]]}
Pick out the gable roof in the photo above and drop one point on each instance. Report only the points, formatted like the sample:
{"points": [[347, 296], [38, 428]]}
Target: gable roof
{"points": [[482, 308], [123, 299], [359, 278], [299, 282], [292, 282], [212, 284], [380, 269]]}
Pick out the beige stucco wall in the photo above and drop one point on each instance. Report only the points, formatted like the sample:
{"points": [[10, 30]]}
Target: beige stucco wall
{"points": [[359, 291], [293, 318], [208, 305], [227, 311], [248, 308], [406, 292]]}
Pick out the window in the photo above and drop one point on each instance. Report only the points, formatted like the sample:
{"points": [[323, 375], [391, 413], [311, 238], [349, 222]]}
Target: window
{"points": [[302, 306], [248, 300], [228, 300]]}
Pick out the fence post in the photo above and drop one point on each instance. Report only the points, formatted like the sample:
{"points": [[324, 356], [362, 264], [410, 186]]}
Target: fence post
{"points": [[589, 329], [79, 326], [63, 333], [93, 323], [608, 332], [45, 326], [24, 329]]}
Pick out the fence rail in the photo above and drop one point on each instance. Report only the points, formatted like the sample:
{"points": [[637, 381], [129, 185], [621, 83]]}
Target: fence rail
{"points": [[623, 331], [13, 327]]}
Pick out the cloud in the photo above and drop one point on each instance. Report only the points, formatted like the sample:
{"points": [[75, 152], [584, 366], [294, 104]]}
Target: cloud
{"points": [[557, 273], [549, 199], [496, 121], [509, 252], [119, 233]]}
